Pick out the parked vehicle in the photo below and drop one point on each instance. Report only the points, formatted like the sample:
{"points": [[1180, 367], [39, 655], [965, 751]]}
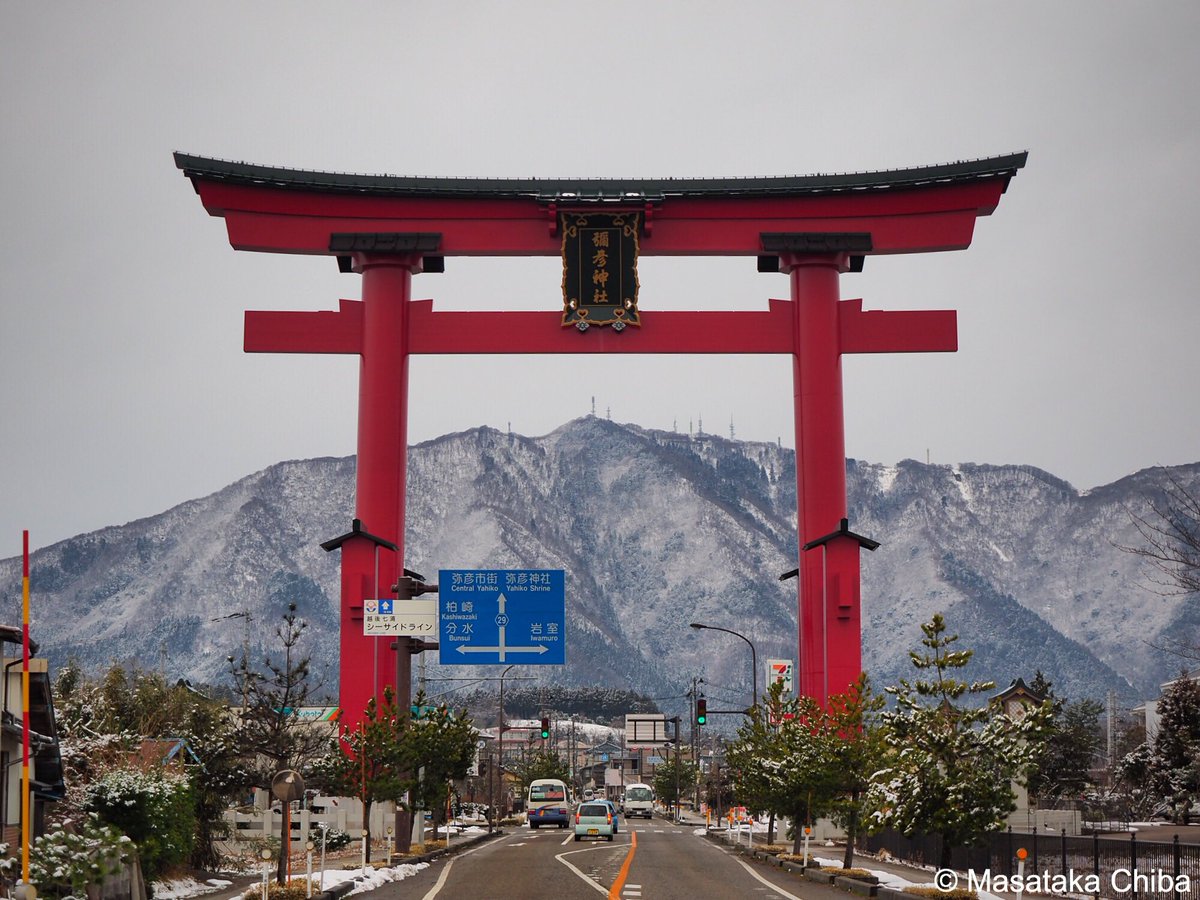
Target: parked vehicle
{"points": [[639, 801], [547, 803], [594, 819]]}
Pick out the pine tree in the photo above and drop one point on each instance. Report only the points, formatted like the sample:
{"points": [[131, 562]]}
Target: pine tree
{"points": [[270, 731], [950, 765], [1175, 761], [273, 694], [783, 761], [665, 780], [366, 763], [856, 750], [541, 764], [438, 747]]}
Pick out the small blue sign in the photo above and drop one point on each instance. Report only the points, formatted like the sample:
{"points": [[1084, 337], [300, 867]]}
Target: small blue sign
{"points": [[490, 617]]}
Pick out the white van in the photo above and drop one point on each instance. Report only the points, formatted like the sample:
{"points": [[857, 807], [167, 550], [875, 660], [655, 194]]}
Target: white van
{"points": [[639, 801]]}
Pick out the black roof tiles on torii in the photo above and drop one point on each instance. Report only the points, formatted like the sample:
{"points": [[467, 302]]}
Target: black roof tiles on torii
{"points": [[551, 189]]}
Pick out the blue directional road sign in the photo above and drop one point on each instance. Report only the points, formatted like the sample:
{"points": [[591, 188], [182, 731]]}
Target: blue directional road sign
{"points": [[502, 616]]}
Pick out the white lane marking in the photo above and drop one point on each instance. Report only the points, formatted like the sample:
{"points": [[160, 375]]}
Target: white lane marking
{"points": [[585, 877], [773, 887], [440, 883]]}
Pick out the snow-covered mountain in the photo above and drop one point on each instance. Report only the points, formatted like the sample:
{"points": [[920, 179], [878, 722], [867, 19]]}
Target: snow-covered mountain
{"points": [[655, 530]]}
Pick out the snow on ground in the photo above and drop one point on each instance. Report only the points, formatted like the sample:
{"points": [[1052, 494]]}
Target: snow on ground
{"points": [[365, 880], [886, 878], [176, 889], [183, 888]]}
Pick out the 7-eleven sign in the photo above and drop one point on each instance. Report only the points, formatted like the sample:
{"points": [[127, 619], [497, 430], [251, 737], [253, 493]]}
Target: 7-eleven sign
{"points": [[781, 670]]}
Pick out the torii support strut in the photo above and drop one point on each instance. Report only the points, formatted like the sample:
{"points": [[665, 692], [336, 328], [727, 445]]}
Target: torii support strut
{"points": [[814, 228]]}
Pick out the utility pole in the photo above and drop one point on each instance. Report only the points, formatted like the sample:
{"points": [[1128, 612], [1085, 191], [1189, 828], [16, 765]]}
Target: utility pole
{"points": [[1112, 715], [500, 757], [678, 767]]}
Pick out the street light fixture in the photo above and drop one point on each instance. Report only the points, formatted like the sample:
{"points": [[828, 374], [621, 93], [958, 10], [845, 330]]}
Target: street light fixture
{"points": [[753, 653]]}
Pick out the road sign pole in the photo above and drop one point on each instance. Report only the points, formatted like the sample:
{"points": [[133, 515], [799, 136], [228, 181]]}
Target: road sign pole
{"points": [[403, 821]]}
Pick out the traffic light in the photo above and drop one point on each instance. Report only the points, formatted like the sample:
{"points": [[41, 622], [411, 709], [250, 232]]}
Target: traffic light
{"points": [[406, 588], [545, 728], [701, 710]]}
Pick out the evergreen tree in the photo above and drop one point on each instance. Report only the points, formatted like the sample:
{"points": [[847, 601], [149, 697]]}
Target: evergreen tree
{"points": [[1166, 768], [367, 763], [541, 764], [272, 735], [438, 748], [674, 772], [856, 749], [1068, 750], [782, 760], [950, 766], [270, 728]]}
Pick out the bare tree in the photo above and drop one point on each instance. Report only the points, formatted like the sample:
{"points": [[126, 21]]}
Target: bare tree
{"points": [[1170, 536]]}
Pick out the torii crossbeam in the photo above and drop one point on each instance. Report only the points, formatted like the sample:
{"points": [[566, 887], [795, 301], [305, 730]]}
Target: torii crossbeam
{"points": [[814, 228]]}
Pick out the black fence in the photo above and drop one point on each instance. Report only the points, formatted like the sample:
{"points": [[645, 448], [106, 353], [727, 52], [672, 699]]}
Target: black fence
{"points": [[1105, 866]]}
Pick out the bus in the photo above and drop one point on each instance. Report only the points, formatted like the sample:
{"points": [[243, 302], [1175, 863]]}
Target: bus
{"points": [[547, 803], [639, 800]]}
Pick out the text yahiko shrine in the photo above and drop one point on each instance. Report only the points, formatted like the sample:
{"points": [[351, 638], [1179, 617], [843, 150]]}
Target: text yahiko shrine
{"points": [[814, 228]]}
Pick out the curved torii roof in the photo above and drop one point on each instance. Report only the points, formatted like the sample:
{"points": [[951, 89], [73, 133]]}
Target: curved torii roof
{"points": [[914, 210], [609, 189]]}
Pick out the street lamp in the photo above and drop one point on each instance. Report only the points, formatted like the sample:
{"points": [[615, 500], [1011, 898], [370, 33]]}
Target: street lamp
{"points": [[753, 654]]}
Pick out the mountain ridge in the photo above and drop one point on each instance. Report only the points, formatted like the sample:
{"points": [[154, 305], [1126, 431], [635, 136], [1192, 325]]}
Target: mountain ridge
{"points": [[655, 529]]}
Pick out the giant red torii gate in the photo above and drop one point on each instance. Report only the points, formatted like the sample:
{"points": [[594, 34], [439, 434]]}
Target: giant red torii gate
{"points": [[814, 228]]}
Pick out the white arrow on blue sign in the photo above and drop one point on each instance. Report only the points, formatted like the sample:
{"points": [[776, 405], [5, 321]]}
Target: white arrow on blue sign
{"points": [[502, 616]]}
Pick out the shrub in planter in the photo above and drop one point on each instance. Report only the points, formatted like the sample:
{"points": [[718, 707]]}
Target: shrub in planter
{"points": [[930, 891], [860, 874], [797, 858]]}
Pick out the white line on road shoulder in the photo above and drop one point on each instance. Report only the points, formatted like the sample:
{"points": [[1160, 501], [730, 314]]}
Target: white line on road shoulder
{"points": [[773, 887]]}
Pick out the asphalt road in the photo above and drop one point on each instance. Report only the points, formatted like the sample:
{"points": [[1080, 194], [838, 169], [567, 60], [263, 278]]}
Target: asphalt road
{"points": [[646, 861]]}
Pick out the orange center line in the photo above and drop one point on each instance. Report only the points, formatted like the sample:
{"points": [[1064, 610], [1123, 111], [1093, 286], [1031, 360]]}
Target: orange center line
{"points": [[614, 893]]}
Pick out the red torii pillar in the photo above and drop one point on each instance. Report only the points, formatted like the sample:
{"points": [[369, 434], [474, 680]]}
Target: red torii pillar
{"points": [[814, 227], [815, 326]]}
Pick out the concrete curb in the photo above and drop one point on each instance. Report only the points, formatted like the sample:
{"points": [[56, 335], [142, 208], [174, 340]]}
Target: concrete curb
{"points": [[855, 886]]}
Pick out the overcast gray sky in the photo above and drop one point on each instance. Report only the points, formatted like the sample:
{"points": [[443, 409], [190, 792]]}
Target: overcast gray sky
{"points": [[125, 388]]}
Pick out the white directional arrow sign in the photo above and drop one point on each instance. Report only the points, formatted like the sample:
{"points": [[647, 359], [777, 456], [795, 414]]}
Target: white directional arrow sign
{"points": [[501, 648], [489, 616]]}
